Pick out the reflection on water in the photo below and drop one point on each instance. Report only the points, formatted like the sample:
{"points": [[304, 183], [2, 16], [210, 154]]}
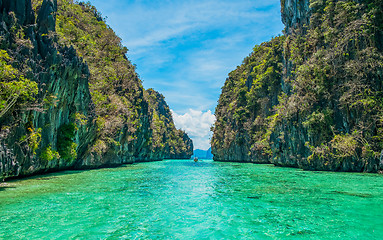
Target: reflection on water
{"points": [[188, 200]]}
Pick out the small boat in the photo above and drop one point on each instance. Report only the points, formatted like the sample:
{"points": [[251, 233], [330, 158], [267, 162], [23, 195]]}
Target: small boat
{"points": [[195, 159]]}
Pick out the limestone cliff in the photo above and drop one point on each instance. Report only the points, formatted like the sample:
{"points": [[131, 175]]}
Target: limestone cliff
{"points": [[166, 139], [245, 107], [328, 110], [29, 132], [124, 122], [61, 111], [295, 14]]}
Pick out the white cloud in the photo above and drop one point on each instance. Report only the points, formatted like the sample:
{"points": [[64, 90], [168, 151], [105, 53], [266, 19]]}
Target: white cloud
{"points": [[197, 125], [185, 49]]}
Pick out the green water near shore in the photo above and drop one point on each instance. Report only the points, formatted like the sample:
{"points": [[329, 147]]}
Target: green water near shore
{"points": [[187, 200]]}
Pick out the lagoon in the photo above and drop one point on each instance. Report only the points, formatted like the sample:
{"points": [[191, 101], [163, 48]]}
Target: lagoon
{"points": [[181, 199]]}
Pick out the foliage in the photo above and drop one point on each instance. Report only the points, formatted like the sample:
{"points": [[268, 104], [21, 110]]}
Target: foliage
{"points": [[344, 145], [120, 100], [36, 5], [246, 104], [33, 139], [15, 89], [66, 146], [337, 85], [324, 103], [115, 87], [80, 119], [166, 138], [48, 154]]}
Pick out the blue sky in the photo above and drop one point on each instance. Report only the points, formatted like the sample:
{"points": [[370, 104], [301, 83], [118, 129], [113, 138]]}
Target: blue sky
{"points": [[185, 49]]}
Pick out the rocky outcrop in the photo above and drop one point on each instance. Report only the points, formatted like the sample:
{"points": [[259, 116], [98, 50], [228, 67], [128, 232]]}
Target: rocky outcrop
{"points": [[295, 14], [46, 21], [244, 112], [62, 79], [167, 141], [236, 153], [127, 132], [326, 112], [21, 8], [63, 128], [187, 146]]}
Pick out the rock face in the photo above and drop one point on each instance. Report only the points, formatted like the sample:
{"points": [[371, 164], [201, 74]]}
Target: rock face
{"points": [[21, 8], [317, 103], [244, 110], [209, 155], [126, 130], [169, 142], [295, 14], [46, 20], [63, 128], [61, 77]]}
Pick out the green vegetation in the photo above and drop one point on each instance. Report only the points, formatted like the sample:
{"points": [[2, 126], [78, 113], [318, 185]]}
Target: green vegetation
{"points": [[123, 111], [16, 91], [33, 139], [48, 154], [322, 107], [66, 146], [70, 67], [115, 87], [337, 80], [166, 138], [245, 114]]}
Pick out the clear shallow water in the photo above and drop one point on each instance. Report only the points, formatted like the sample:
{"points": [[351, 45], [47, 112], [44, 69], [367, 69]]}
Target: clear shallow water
{"points": [[187, 200]]}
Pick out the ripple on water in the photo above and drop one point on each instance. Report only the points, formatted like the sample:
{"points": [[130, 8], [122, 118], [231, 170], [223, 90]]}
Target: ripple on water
{"points": [[188, 200]]}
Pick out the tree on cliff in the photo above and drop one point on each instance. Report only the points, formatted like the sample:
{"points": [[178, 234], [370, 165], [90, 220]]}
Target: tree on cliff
{"points": [[326, 99], [15, 89]]}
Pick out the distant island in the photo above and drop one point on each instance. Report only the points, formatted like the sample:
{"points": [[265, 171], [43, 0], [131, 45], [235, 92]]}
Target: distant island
{"points": [[203, 154]]}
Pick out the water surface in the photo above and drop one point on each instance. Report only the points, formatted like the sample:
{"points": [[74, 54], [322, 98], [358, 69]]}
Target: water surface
{"points": [[187, 200]]}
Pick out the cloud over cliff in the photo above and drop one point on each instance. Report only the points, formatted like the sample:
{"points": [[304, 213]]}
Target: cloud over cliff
{"points": [[197, 125]]}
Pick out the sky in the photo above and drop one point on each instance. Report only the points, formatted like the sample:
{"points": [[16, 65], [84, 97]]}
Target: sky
{"points": [[185, 49]]}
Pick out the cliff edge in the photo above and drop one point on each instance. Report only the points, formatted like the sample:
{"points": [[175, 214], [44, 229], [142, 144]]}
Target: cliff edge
{"points": [[67, 103], [311, 98]]}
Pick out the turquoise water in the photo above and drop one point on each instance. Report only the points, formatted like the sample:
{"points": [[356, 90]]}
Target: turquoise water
{"points": [[187, 200]]}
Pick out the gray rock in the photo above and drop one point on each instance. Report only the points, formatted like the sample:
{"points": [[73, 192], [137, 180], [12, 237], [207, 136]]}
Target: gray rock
{"points": [[61, 74], [295, 13], [46, 20], [21, 8]]}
